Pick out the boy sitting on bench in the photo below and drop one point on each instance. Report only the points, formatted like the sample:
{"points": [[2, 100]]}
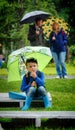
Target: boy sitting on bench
{"points": [[33, 84]]}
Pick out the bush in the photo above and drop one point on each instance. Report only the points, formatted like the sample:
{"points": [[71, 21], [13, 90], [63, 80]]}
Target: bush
{"points": [[72, 50], [72, 53], [4, 65]]}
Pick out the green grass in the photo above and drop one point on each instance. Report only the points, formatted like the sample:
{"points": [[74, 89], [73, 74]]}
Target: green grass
{"points": [[45, 128], [6, 86], [50, 69], [62, 92], [3, 72]]}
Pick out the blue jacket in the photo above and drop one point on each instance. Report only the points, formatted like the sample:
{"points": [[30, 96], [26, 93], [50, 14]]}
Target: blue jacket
{"points": [[59, 45], [27, 80]]}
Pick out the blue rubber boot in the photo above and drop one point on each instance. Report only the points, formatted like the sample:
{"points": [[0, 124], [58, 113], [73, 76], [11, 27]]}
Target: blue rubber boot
{"points": [[47, 102], [27, 103]]}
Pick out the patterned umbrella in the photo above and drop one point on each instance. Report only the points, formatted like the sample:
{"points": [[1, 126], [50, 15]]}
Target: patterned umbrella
{"points": [[16, 60]]}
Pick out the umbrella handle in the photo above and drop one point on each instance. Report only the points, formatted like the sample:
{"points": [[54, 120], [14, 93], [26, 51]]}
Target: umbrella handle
{"points": [[22, 59]]}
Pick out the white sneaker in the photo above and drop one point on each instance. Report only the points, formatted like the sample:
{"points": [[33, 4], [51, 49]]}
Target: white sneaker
{"points": [[65, 77], [57, 77]]}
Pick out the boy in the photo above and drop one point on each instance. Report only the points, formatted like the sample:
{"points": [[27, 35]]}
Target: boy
{"points": [[33, 84]]}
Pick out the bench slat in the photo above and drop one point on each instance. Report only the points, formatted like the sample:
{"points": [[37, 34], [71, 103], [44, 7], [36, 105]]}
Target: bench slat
{"points": [[41, 114], [4, 97], [38, 115]]}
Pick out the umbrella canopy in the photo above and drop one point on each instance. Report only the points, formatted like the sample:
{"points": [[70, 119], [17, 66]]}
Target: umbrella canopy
{"points": [[16, 60], [31, 16]]}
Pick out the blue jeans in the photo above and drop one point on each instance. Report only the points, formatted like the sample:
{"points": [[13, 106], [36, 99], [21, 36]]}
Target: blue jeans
{"points": [[0, 63], [59, 60], [36, 92]]}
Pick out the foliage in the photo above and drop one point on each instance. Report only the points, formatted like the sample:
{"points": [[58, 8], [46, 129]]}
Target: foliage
{"points": [[4, 65], [23, 34], [13, 35], [9, 23], [47, 26], [11, 13], [72, 52], [68, 7]]}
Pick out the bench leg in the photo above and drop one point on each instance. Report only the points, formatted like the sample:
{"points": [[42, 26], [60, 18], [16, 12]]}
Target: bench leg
{"points": [[21, 104], [37, 122], [1, 127]]}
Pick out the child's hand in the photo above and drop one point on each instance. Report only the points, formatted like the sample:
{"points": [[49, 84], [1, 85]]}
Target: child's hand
{"points": [[33, 84], [33, 74]]}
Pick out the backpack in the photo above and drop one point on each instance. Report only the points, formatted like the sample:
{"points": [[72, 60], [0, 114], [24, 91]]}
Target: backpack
{"points": [[67, 48]]}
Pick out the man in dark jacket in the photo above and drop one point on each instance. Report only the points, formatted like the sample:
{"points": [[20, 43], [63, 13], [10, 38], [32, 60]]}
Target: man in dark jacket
{"points": [[35, 35]]}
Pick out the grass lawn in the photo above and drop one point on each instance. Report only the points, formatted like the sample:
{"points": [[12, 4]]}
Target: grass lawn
{"points": [[62, 92], [50, 69]]}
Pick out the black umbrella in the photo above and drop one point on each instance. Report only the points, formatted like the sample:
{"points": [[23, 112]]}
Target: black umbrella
{"points": [[31, 16]]}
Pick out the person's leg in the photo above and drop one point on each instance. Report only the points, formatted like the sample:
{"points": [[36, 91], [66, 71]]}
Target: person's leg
{"points": [[57, 63], [31, 92], [29, 98], [43, 93], [0, 63], [62, 58]]}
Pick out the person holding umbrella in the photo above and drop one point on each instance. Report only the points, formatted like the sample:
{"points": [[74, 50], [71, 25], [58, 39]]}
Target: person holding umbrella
{"points": [[33, 84], [35, 35]]}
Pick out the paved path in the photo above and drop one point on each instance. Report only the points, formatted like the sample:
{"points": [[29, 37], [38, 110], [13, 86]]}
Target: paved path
{"points": [[47, 77], [54, 76], [3, 77]]}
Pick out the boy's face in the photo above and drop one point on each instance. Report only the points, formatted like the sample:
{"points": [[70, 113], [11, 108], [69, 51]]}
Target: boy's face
{"points": [[32, 67]]}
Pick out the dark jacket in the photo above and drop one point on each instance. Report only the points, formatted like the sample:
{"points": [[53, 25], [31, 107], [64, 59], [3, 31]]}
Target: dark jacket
{"points": [[27, 80], [58, 45], [35, 40]]}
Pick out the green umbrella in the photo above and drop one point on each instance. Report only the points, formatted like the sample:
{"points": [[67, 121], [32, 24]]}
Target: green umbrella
{"points": [[16, 60]]}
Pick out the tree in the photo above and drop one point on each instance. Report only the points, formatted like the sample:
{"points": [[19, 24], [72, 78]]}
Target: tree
{"points": [[67, 10], [12, 34]]}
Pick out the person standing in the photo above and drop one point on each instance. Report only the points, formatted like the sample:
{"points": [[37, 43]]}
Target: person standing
{"points": [[1, 57], [58, 41], [35, 35]]}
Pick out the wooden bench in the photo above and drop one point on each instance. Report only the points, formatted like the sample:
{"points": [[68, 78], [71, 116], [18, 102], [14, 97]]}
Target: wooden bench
{"points": [[4, 97], [38, 115]]}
